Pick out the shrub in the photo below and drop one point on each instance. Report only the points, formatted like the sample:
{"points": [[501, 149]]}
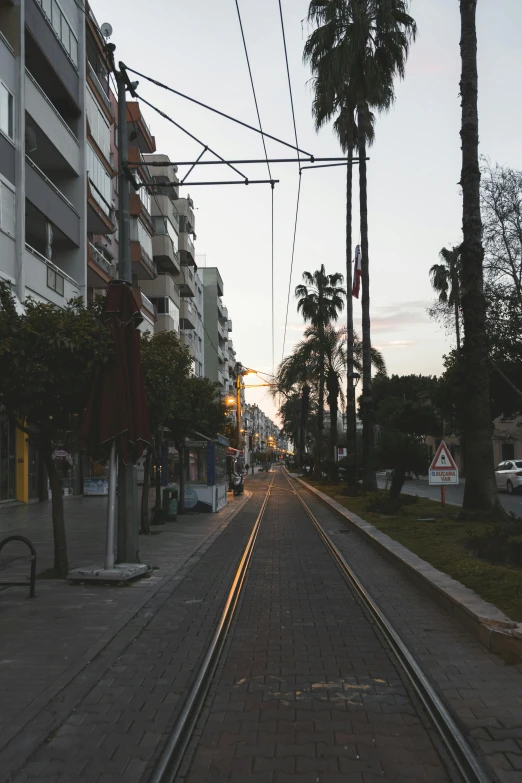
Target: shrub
{"points": [[501, 543]]}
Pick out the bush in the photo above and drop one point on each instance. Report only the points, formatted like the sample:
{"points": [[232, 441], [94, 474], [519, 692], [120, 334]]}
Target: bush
{"points": [[501, 543]]}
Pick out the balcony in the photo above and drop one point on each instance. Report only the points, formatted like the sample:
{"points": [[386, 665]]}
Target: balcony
{"points": [[100, 214], [188, 316], [135, 121], [51, 123], [186, 249], [221, 378], [99, 89], [141, 251], [147, 305], [165, 256], [162, 286], [51, 202], [100, 270], [184, 208], [186, 282], [47, 280]]}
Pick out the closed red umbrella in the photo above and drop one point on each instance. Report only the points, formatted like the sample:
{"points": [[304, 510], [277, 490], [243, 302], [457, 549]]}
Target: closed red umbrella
{"points": [[117, 408], [116, 420]]}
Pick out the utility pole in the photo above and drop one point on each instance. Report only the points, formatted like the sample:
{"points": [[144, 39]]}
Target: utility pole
{"points": [[128, 534]]}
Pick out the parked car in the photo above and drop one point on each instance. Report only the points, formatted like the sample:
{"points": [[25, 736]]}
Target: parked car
{"points": [[508, 475]]}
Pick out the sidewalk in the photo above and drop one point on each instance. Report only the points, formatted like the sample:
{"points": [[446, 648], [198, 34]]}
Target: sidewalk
{"points": [[46, 642]]}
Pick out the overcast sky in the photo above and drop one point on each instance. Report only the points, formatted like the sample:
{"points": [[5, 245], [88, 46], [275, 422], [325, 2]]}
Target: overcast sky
{"points": [[414, 167]]}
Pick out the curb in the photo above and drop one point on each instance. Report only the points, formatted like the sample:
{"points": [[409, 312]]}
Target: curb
{"points": [[489, 625]]}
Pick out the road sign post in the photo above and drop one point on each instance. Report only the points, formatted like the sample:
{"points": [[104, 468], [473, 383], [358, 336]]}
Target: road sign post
{"points": [[443, 471]]}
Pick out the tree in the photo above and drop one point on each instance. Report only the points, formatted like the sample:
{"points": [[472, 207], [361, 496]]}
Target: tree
{"points": [[320, 300], [166, 366], [198, 407], [480, 492], [363, 44], [445, 282], [404, 453], [48, 358]]}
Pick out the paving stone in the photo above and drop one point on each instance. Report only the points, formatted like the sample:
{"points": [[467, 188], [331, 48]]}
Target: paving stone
{"points": [[303, 655]]}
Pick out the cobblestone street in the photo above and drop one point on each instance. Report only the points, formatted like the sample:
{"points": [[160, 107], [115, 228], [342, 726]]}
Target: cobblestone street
{"points": [[93, 678]]}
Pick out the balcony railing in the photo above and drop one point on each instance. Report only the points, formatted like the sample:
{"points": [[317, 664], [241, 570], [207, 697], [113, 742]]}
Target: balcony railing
{"points": [[101, 261], [147, 304], [51, 105], [51, 184], [99, 88], [52, 266]]}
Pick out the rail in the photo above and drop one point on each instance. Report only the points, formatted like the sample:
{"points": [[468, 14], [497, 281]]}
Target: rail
{"points": [[172, 756], [453, 739], [31, 557]]}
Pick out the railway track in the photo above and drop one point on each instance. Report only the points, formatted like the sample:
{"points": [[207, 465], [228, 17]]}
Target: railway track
{"points": [[171, 759]]}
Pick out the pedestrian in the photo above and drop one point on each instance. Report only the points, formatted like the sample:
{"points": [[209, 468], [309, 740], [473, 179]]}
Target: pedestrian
{"points": [[247, 466]]}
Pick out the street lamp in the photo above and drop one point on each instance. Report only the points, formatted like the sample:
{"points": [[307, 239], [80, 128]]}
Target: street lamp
{"points": [[354, 379]]}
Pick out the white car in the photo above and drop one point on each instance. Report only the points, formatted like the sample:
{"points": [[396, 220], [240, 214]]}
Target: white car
{"points": [[508, 475]]}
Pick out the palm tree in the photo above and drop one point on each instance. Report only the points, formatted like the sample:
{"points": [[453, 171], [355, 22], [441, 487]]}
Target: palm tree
{"points": [[320, 300], [480, 493], [294, 378], [445, 281], [362, 45]]}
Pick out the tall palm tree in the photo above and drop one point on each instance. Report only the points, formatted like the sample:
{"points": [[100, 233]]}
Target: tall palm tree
{"points": [[363, 45], [294, 377], [480, 492], [329, 103], [445, 281], [320, 300]]}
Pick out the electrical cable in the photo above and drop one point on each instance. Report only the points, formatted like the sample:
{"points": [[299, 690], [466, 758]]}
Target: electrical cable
{"points": [[216, 111], [300, 175], [268, 166], [169, 119]]}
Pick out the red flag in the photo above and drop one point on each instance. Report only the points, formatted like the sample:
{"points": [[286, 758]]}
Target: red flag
{"points": [[357, 272]]}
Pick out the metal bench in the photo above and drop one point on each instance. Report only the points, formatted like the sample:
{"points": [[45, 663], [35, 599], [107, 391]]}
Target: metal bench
{"points": [[31, 557]]}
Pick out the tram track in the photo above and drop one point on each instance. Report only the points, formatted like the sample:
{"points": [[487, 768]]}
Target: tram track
{"points": [[173, 753]]}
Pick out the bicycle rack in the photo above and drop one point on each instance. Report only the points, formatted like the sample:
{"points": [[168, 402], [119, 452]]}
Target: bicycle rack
{"points": [[32, 558]]}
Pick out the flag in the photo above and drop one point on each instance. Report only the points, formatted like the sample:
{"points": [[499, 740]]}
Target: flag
{"points": [[357, 272]]}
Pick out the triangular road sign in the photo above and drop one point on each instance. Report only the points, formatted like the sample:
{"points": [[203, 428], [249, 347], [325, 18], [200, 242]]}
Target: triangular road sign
{"points": [[443, 459]]}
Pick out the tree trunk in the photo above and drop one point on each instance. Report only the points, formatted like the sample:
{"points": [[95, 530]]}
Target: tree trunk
{"points": [[145, 522], [456, 288], [61, 563], [333, 395], [320, 414], [181, 499], [350, 388], [158, 511], [305, 402], [369, 477], [480, 492], [397, 483]]}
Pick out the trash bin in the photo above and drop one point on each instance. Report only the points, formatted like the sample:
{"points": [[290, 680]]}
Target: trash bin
{"points": [[170, 503]]}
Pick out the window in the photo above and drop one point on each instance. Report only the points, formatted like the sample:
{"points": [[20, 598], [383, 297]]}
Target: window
{"points": [[100, 179], [58, 21], [6, 111], [7, 209], [55, 281], [99, 125]]}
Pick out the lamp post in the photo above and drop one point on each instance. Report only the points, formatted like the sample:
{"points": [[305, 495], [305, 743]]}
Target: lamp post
{"points": [[354, 379]]}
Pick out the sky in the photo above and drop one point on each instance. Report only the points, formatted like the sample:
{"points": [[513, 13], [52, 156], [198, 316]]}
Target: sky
{"points": [[413, 194]]}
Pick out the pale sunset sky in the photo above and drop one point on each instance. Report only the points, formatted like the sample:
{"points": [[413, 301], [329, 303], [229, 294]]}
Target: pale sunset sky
{"points": [[414, 167]]}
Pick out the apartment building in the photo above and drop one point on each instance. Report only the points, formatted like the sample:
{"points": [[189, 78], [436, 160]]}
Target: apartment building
{"points": [[216, 331]]}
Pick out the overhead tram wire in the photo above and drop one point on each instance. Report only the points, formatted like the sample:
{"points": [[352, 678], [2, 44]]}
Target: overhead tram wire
{"points": [[188, 133], [217, 111], [300, 176], [269, 172]]}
